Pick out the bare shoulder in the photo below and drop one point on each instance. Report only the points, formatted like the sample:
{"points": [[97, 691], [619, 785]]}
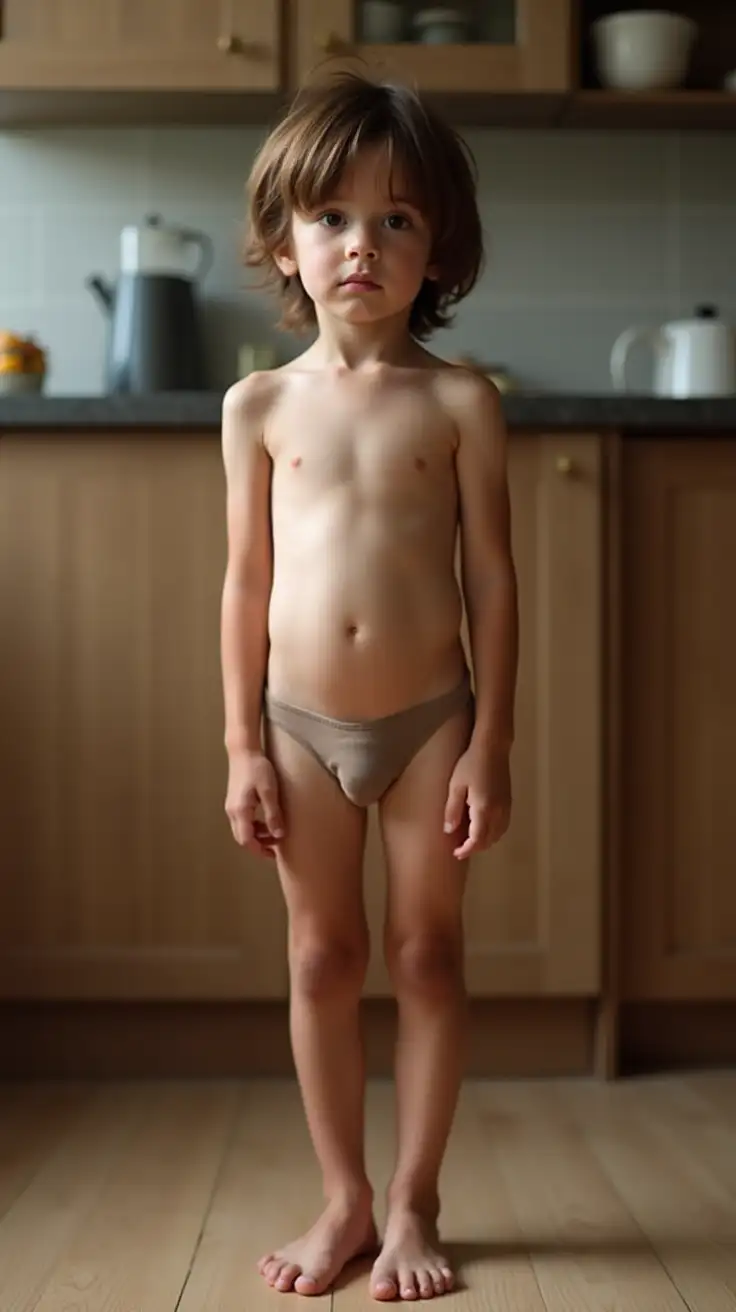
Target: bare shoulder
{"points": [[250, 399], [246, 408], [471, 400]]}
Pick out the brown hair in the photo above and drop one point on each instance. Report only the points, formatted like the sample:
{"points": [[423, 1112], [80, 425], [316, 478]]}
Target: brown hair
{"points": [[300, 164]]}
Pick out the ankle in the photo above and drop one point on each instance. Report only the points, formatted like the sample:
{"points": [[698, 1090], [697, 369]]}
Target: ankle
{"points": [[351, 1194], [419, 1197]]}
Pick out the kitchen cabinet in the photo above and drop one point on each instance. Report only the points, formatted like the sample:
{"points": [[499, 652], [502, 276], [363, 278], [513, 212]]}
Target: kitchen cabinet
{"points": [[121, 879], [531, 53], [114, 45], [533, 904], [678, 720]]}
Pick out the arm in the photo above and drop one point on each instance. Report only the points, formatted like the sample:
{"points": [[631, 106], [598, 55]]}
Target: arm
{"points": [[244, 614], [481, 785], [488, 573], [247, 586]]}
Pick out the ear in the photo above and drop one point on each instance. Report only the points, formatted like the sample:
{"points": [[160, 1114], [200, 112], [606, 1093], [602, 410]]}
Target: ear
{"points": [[285, 262], [432, 272]]}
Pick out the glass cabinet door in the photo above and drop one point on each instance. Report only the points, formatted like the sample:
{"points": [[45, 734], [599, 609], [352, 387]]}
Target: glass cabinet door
{"points": [[459, 46]]}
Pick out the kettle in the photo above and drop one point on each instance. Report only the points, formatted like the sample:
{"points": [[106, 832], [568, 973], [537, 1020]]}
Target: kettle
{"points": [[155, 340], [694, 357]]}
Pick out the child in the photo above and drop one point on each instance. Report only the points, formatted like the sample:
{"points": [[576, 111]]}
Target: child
{"points": [[349, 471]]}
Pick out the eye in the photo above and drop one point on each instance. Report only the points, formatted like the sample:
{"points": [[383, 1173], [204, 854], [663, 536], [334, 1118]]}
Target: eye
{"points": [[330, 219], [399, 222]]}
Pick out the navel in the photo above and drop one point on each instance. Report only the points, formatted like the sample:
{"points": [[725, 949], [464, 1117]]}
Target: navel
{"points": [[420, 462]]}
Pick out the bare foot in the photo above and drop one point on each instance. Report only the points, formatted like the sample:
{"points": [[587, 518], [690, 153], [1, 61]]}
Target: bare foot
{"points": [[312, 1263], [410, 1265]]}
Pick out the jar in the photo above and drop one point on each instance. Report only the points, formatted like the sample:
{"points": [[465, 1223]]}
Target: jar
{"points": [[381, 22], [441, 27]]}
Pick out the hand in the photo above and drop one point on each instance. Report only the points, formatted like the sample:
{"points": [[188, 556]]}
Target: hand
{"points": [[252, 784], [479, 793]]}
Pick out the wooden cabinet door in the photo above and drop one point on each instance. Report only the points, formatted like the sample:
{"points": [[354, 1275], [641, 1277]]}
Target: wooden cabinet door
{"points": [[678, 744], [159, 45], [532, 910], [120, 878], [530, 50]]}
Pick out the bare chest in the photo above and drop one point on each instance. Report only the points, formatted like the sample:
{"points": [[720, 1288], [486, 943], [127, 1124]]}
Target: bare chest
{"points": [[381, 446]]}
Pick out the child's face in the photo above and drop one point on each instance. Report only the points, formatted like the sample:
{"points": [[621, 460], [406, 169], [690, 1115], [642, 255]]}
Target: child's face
{"points": [[362, 256]]}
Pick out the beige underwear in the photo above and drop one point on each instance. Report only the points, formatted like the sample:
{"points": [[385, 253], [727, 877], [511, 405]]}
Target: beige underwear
{"points": [[367, 756]]}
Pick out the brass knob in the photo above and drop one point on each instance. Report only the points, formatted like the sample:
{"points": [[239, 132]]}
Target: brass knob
{"points": [[564, 466], [228, 45]]}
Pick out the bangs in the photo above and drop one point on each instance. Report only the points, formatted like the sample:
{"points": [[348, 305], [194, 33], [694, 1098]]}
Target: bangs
{"points": [[316, 159], [301, 165]]}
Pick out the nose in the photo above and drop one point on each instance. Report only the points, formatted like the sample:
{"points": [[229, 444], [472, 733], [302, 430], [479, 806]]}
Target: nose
{"points": [[361, 242]]}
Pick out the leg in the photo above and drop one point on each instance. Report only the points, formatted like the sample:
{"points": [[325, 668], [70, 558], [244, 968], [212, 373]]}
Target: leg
{"points": [[320, 867], [424, 953]]}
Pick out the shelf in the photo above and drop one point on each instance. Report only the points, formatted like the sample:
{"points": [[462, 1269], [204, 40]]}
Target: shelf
{"points": [[649, 109]]}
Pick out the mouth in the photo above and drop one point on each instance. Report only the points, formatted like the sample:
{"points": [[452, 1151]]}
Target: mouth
{"points": [[359, 282]]}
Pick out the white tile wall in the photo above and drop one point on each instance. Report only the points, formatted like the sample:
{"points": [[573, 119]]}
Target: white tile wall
{"points": [[586, 232]]}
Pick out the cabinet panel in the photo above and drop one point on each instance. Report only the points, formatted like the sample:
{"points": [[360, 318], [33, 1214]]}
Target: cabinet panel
{"points": [[679, 720], [533, 902], [120, 875], [218, 45], [527, 48]]}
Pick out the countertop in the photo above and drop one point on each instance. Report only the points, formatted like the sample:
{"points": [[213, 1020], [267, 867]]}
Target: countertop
{"points": [[534, 410]]}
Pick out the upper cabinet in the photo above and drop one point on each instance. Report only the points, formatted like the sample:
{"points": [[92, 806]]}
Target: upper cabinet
{"points": [[513, 46], [140, 45]]}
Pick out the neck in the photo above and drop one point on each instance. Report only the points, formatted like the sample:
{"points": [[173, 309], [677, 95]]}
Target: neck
{"points": [[352, 346]]}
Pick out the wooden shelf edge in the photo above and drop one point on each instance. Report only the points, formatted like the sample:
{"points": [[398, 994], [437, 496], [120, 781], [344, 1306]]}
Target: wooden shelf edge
{"points": [[683, 110]]}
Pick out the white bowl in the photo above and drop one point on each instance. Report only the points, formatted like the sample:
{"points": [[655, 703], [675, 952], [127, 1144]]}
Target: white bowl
{"points": [[645, 51]]}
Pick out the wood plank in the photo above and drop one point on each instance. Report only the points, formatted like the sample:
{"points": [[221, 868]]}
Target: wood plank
{"points": [[132, 1243], [686, 1213], [480, 1231], [267, 1193], [587, 1251], [720, 1091], [37, 1228], [33, 1120]]}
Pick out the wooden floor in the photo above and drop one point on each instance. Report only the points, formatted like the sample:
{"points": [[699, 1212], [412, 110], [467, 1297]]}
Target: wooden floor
{"points": [[566, 1196]]}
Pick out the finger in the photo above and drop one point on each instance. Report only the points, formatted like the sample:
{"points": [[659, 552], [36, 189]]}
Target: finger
{"points": [[272, 811], [455, 807], [242, 827], [477, 831], [260, 849]]}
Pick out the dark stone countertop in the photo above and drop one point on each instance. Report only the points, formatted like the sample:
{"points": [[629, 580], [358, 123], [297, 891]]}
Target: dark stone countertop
{"points": [[534, 410]]}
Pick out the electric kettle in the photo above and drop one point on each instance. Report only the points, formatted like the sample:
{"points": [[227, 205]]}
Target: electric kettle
{"points": [[693, 357], [155, 339]]}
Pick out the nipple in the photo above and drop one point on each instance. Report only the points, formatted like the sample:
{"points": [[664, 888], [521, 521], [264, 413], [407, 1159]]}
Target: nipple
{"points": [[420, 462], [296, 462]]}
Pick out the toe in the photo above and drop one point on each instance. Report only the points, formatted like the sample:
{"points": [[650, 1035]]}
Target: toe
{"points": [[271, 1270], [311, 1283], [407, 1285], [264, 1262], [438, 1280], [287, 1276], [425, 1284], [447, 1276], [384, 1289]]}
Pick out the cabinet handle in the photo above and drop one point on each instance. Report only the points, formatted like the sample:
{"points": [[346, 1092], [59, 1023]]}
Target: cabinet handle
{"points": [[332, 44], [564, 466]]}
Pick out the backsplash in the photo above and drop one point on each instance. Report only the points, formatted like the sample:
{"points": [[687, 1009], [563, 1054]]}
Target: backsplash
{"points": [[586, 233]]}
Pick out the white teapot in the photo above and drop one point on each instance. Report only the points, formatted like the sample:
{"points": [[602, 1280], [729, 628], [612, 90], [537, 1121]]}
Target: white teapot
{"points": [[693, 357]]}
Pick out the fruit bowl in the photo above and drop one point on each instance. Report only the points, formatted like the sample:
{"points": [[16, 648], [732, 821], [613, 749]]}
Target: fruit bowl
{"points": [[20, 384]]}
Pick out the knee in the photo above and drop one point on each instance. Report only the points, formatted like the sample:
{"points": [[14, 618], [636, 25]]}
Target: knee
{"points": [[427, 963], [324, 966]]}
